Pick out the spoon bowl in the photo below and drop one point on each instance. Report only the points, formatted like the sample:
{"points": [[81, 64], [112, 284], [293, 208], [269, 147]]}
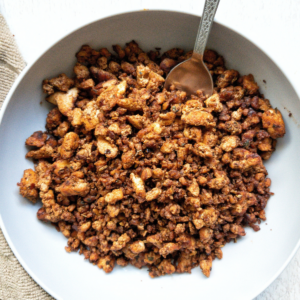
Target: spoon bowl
{"points": [[190, 76]]}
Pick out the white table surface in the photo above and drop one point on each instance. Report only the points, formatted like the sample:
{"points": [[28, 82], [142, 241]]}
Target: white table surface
{"points": [[272, 24]]}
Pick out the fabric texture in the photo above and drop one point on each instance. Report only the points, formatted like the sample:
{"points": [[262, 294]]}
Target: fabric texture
{"points": [[15, 283]]}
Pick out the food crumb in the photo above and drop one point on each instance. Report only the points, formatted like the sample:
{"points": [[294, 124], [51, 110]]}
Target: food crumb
{"points": [[290, 113], [264, 81]]}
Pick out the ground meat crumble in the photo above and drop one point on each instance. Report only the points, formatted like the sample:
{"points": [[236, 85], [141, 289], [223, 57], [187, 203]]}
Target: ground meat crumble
{"points": [[132, 173]]}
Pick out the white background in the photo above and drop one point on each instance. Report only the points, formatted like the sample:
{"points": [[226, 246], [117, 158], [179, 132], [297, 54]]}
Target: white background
{"points": [[273, 25]]}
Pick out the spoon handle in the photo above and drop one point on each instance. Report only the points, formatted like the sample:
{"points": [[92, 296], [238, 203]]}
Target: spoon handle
{"points": [[207, 19]]}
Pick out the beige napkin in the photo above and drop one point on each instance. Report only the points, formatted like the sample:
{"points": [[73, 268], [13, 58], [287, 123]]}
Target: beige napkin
{"points": [[15, 283]]}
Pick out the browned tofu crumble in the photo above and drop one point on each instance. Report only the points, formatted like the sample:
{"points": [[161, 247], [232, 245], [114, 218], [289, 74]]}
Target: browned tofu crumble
{"points": [[132, 173]]}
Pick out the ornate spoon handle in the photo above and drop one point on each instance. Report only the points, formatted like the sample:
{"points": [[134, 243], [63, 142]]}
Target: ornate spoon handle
{"points": [[207, 19]]}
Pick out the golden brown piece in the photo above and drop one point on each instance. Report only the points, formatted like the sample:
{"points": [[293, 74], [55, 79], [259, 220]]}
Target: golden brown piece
{"points": [[167, 119], [106, 148], [168, 146], [246, 160], [203, 150], [153, 194], [76, 117], [228, 143], [106, 263], [210, 138], [199, 118], [121, 242], [273, 122], [44, 152], [81, 71], [128, 159], [168, 249], [37, 139], [206, 265], [53, 118], [227, 78], [138, 185], [64, 101], [114, 196], [167, 64], [137, 121], [28, 185], [62, 83], [193, 114], [74, 186], [155, 82], [250, 85], [43, 170], [194, 133], [109, 97], [137, 247], [214, 103], [265, 144], [86, 84], [194, 189], [90, 115], [69, 145]]}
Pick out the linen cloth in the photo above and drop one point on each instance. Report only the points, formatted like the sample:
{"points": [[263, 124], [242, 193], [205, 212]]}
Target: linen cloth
{"points": [[15, 283]]}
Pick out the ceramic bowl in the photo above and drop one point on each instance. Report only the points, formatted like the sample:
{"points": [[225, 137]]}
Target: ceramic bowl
{"points": [[247, 267]]}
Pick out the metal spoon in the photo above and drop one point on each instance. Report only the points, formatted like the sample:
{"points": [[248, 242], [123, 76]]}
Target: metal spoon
{"points": [[192, 75]]}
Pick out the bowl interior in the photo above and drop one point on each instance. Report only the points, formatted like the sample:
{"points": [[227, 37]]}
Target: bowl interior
{"points": [[247, 266]]}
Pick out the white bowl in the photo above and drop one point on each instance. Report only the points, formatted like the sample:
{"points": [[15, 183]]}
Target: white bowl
{"points": [[248, 266]]}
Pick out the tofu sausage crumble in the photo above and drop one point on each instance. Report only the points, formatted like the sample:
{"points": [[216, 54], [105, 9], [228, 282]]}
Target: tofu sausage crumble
{"points": [[131, 173]]}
